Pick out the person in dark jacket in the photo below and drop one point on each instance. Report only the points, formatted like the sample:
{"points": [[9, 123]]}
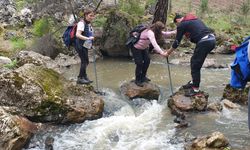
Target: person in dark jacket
{"points": [[84, 37], [197, 32]]}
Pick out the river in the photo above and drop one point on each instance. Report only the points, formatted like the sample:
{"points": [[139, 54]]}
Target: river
{"points": [[147, 125]]}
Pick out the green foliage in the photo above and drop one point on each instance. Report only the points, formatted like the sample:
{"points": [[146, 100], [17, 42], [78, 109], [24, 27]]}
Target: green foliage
{"points": [[132, 7], [41, 27], [245, 7], [204, 6], [11, 65], [18, 43], [99, 21]]}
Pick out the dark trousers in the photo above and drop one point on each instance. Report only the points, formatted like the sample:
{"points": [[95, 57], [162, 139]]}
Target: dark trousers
{"points": [[201, 51], [83, 54], [142, 61]]}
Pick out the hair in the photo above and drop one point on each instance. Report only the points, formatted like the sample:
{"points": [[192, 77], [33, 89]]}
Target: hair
{"points": [[157, 27], [177, 16], [88, 11]]}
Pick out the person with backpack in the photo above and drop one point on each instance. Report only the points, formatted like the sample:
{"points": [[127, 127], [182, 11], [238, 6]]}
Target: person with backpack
{"points": [[198, 33], [83, 42], [140, 50]]}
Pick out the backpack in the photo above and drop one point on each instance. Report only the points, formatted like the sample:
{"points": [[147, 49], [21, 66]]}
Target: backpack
{"points": [[240, 68], [69, 35], [134, 35]]}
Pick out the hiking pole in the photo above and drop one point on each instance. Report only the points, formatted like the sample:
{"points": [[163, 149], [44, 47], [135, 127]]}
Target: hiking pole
{"points": [[170, 79], [96, 80]]}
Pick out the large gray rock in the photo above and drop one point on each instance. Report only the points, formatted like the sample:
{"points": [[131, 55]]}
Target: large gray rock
{"points": [[15, 131], [148, 91], [42, 95], [116, 32], [180, 103]]}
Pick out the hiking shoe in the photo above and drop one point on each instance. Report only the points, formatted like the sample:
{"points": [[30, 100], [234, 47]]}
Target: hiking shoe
{"points": [[139, 83], [188, 85], [87, 79], [146, 79], [191, 92], [82, 81]]}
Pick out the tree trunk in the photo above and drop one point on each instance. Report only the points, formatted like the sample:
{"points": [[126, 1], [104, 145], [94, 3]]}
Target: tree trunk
{"points": [[161, 9]]}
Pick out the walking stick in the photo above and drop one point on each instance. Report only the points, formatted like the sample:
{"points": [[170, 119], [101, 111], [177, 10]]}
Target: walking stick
{"points": [[96, 80], [170, 79]]}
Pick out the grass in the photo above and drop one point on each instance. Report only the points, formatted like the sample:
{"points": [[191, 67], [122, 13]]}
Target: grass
{"points": [[18, 43]]}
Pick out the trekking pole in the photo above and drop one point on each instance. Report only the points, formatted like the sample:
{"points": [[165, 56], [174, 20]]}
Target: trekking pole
{"points": [[170, 79], [96, 80]]}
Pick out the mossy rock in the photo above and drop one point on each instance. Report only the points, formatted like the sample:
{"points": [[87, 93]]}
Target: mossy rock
{"points": [[43, 95]]}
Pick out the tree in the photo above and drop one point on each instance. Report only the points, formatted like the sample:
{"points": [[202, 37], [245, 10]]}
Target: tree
{"points": [[161, 9]]}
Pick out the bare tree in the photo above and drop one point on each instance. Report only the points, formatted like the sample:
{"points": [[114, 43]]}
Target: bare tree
{"points": [[161, 9]]}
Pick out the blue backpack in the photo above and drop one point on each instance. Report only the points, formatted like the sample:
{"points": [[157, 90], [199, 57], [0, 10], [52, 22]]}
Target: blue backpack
{"points": [[240, 73], [69, 35]]}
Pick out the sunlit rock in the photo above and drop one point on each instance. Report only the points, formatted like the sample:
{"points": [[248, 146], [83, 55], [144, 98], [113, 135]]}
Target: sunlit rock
{"points": [[229, 104], [148, 91], [4, 61], [15, 131], [215, 141], [239, 96], [178, 102], [214, 107], [43, 95]]}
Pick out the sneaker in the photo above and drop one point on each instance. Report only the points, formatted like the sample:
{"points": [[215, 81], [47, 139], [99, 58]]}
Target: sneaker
{"points": [[188, 85], [191, 92], [139, 83], [82, 81], [87, 79], [146, 79]]}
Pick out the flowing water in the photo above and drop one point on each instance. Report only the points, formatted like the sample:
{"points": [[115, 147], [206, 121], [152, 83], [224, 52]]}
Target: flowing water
{"points": [[148, 125]]}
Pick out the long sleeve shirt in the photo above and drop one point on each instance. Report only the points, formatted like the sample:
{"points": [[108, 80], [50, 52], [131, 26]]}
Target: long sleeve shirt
{"points": [[147, 37], [194, 29]]}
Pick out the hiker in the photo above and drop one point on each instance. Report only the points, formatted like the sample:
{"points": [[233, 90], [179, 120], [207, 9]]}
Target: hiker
{"points": [[140, 50], [197, 32], [84, 38]]}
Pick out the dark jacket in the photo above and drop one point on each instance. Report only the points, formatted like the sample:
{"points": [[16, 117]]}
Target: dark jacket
{"points": [[193, 28]]}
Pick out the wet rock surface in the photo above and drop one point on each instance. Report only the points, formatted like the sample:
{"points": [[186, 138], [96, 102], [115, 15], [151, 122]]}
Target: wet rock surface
{"points": [[15, 130], [215, 141], [149, 90], [235, 95]]}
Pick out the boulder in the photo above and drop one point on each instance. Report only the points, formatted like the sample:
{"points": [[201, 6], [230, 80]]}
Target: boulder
{"points": [[215, 141], [15, 131], [215, 107], [235, 95], [4, 60], [43, 95], [116, 29], [229, 104], [180, 103], [149, 90]]}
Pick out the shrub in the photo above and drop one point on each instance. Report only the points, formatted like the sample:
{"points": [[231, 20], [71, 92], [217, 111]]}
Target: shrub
{"points": [[41, 27], [18, 43]]}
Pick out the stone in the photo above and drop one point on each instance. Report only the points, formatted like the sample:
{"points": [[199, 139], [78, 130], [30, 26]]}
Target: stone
{"points": [[149, 90], [229, 104], [15, 131], [239, 96], [43, 95]]}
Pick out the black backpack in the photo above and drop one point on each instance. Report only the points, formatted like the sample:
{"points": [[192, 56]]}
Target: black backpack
{"points": [[134, 35]]}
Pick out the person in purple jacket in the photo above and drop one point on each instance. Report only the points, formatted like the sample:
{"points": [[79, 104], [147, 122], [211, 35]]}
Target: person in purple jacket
{"points": [[198, 33], [140, 50]]}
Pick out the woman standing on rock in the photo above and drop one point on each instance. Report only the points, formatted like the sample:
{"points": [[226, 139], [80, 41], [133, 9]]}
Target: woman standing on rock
{"points": [[140, 50], [84, 38]]}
